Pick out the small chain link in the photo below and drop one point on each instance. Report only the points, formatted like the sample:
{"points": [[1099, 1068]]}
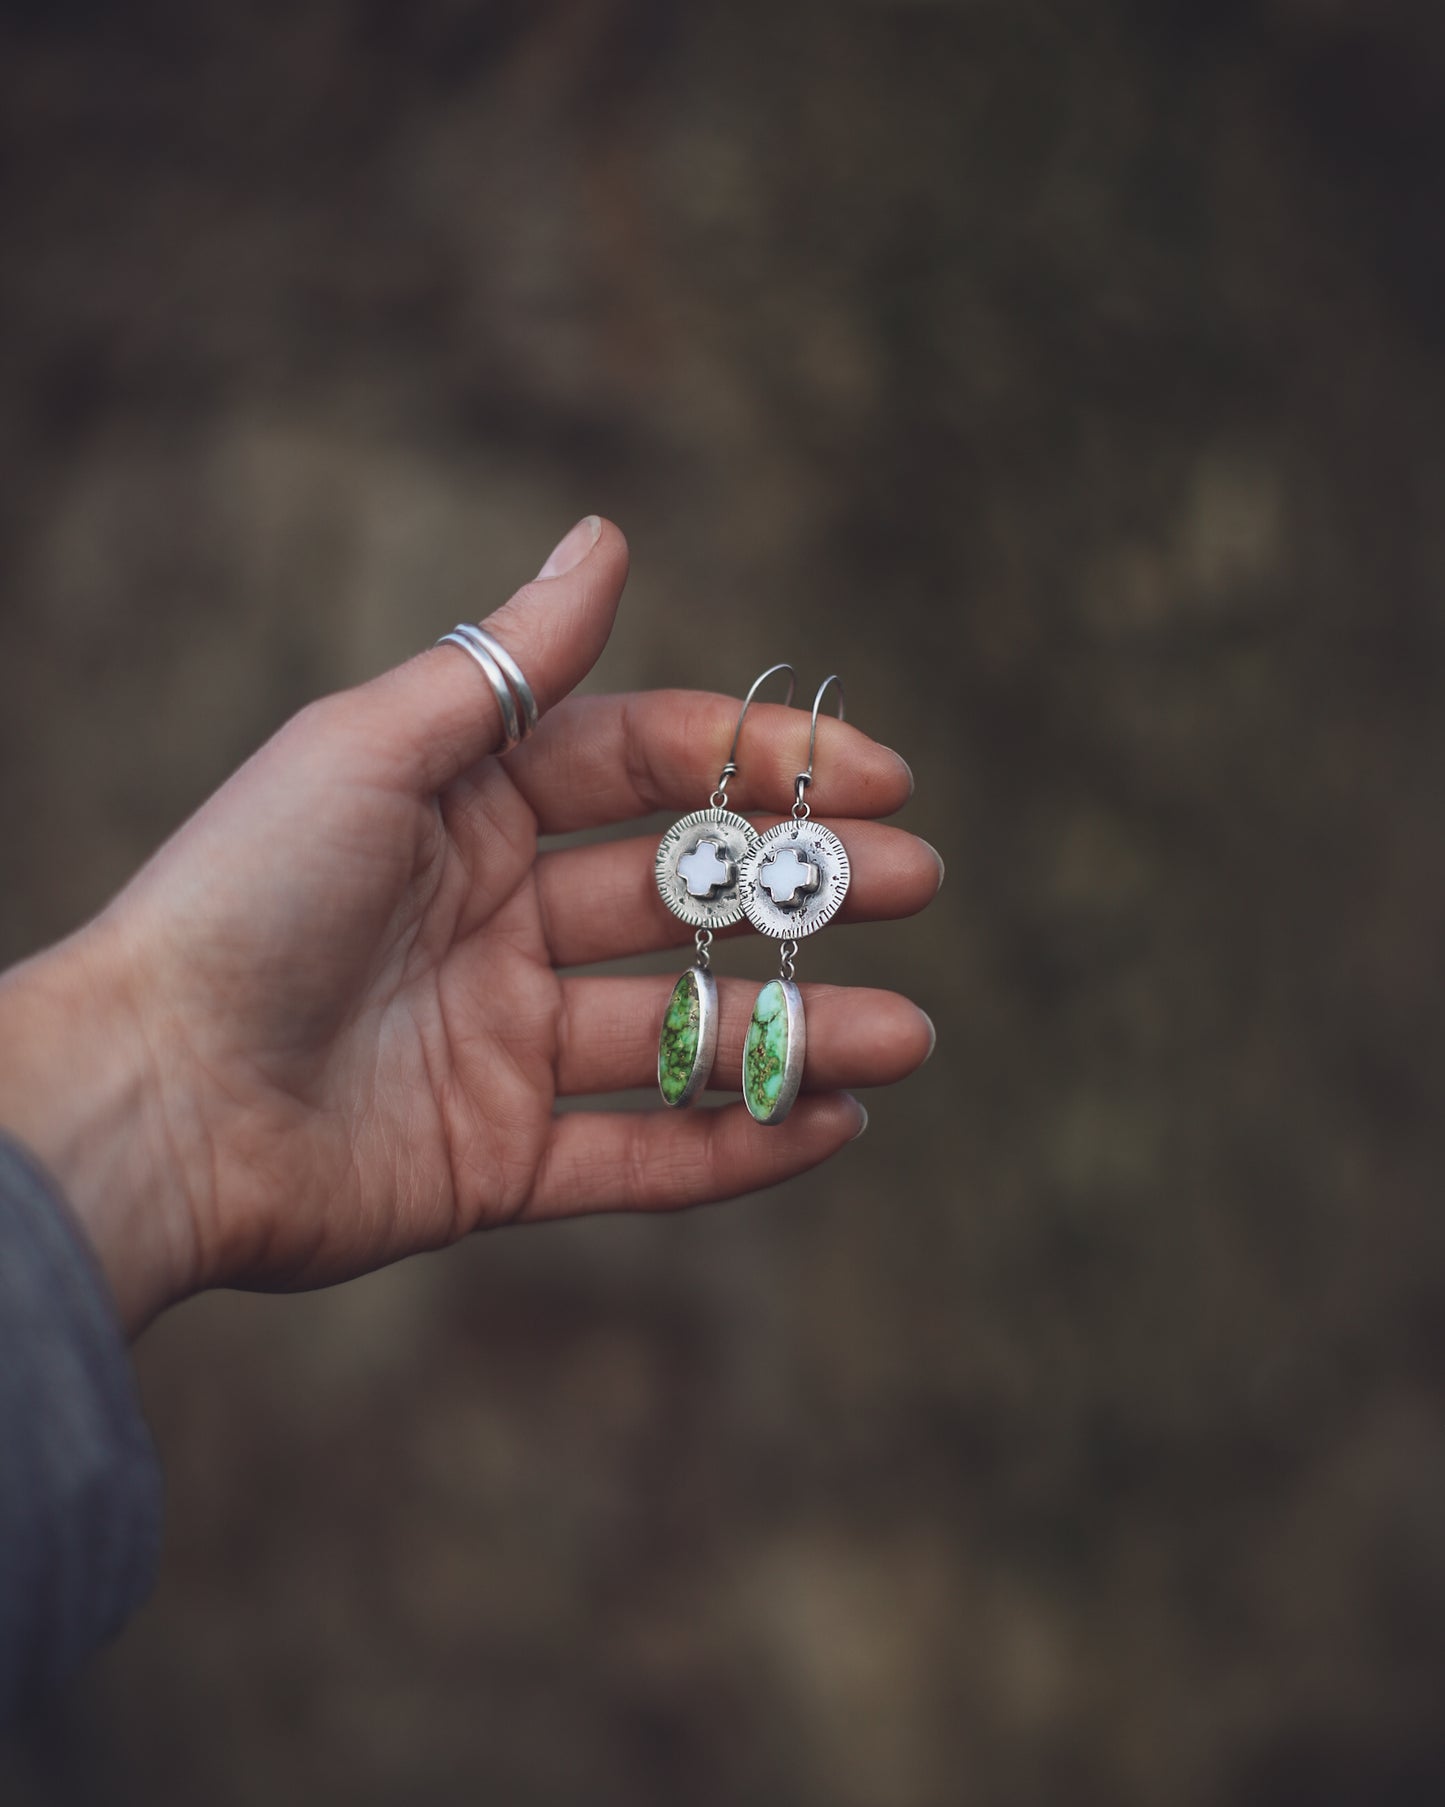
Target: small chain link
{"points": [[703, 942], [789, 953], [719, 799], [801, 811]]}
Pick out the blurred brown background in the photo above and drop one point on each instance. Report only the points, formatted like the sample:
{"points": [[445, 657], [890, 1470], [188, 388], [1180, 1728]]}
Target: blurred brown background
{"points": [[1071, 379]]}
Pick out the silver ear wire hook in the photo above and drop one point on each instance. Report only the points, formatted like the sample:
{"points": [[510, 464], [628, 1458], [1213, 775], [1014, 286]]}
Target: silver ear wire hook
{"points": [[719, 798], [792, 881], [698, 870], [804, 779]]}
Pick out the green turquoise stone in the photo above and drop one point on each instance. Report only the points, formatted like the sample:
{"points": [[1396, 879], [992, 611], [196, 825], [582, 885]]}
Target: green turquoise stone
{"points": [[765, 1053], [677, 1046]]}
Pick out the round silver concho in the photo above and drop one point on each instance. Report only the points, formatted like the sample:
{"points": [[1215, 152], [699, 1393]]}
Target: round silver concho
{"points": [[794, 880], [698, 863]]}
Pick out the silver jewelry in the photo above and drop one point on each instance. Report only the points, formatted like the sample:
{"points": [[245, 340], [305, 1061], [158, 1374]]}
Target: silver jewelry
{"points": [[697, 867], [791, 882], [504, 675]]}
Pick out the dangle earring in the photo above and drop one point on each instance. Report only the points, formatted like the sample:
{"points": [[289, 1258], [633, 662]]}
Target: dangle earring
{"points": [[697, 875], [792, 882]]}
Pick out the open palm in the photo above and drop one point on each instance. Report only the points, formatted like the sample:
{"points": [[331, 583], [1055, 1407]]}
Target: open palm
{"points": [[357, 1008]]}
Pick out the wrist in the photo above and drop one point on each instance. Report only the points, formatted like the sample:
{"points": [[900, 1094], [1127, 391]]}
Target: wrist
{"points": [[78, 1090]]}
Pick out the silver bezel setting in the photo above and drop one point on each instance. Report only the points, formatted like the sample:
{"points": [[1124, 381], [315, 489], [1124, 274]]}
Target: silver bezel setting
{"points": [[707, 1022], [735, 834], [821, 848], [793, 1063]]}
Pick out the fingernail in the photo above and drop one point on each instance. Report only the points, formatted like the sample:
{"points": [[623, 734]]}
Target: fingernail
{"points": [[573, 547], [932, 1034], [907, 768], [862, 1121], [938, 856]]}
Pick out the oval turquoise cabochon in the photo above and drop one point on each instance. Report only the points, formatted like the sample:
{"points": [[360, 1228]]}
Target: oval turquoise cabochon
{"points": [[681, 1033], [773, 1052]]}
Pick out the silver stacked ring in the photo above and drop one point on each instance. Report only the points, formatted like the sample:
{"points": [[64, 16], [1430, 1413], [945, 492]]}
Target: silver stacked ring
{"points": [[504, 674]]}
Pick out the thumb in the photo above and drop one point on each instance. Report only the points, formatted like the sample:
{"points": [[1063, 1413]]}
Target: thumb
{"points": [[437, 714]]}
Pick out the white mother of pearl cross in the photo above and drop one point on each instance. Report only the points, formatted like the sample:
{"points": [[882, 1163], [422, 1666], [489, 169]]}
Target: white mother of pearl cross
{"points": [[705, 871], [788, 877]]}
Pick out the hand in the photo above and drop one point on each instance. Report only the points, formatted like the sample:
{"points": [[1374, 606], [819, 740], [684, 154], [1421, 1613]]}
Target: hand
{"points": [[327, 1025]]}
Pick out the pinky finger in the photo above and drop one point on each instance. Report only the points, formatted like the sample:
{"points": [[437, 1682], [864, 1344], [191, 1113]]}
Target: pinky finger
{"points": [[666, 1160]]}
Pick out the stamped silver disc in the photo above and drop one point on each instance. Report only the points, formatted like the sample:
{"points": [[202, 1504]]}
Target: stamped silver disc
{"points": [[794, 880], [698, 864]]}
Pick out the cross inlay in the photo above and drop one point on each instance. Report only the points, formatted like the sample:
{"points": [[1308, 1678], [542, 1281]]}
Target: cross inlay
{"points": [[787, 877], [705, 871]]}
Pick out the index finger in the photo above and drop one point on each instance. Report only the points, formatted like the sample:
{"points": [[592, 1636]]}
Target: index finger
{"points": [[601, 759]]}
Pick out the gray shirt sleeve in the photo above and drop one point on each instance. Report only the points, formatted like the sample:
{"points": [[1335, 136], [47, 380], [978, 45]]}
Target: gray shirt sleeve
{"points": [[80, 1484]]}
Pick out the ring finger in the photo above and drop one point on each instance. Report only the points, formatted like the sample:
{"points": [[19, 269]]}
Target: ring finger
{"points": [[856, 1036]]}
